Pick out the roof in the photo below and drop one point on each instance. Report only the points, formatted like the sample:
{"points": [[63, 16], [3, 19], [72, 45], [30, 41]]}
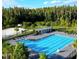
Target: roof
{"points": [[10, 31], [43, 28]]}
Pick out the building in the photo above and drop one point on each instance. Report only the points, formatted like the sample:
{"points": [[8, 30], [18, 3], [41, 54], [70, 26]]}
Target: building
{"points": [[11, 31], [43, 30]]}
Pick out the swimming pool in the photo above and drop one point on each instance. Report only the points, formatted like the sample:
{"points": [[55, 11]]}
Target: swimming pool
{"points": [[48, 45]]}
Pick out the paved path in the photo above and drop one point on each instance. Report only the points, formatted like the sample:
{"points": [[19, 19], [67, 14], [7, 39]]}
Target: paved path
{"points": [[35, 37], [67, 52]]}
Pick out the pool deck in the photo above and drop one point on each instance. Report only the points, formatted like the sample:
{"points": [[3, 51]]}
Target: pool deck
{"points": [[35, 37], [67, 52]]}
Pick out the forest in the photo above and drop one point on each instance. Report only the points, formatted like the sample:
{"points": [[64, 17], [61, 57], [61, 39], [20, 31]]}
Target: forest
{"points": [[56, 17]]}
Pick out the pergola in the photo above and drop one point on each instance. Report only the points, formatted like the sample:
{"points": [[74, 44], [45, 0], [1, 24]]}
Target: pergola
{"points": [[44, 30]]}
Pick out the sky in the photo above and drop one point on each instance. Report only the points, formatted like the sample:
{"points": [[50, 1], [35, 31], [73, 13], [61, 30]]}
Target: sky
{"points": [[37, 3]]}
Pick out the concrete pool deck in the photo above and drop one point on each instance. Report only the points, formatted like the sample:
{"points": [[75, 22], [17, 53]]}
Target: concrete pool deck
{"points": [[35, 37], [66, 53]]}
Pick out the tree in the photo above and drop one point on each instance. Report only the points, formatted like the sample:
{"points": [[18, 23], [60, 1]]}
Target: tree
{"points": [[7, 50], [20, 52], [14, 16], [16, 29], [62, 16], [26, 24], [75, 44], [42, 56]]}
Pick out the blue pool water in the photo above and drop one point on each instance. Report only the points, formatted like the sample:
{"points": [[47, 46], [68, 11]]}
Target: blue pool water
{"points": [[48, 45]]}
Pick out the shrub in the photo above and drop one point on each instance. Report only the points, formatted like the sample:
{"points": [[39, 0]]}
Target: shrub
{"points": [[42, 56]]}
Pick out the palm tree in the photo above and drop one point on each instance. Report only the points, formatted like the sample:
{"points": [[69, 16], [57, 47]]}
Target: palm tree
{"points": [[5, 53], [75, 44], [42, 56], [14, 52], [6, 50], [20, 52]]}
